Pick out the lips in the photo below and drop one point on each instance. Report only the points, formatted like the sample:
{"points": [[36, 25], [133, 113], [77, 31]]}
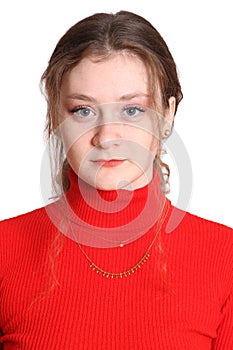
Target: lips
{"points": [[110, 163]]}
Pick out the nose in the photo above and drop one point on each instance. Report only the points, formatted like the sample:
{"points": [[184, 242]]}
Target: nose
{"points": [[107, 135]]}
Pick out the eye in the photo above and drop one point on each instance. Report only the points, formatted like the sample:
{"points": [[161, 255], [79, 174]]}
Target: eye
{"points": [[83, 112], [133, 111]]}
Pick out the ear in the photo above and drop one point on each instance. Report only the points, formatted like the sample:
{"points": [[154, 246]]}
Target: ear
{"points": [[170, 111]]}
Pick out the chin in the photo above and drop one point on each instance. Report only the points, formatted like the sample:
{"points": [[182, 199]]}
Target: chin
{"points": [[108, 179], [108, 184], [117, 182]]}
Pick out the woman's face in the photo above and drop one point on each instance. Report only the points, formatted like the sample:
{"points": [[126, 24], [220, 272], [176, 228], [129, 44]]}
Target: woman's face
{"points": [[109, 131]]}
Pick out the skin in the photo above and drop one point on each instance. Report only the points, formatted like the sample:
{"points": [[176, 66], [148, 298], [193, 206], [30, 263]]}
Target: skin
{"points": [[106, 116]]}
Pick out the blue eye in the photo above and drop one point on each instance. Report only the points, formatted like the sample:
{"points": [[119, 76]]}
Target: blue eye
{"points": [[133, 111], [83, 112]]}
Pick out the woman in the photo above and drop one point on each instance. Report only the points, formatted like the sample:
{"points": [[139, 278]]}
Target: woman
{"points": [[96, 269]]}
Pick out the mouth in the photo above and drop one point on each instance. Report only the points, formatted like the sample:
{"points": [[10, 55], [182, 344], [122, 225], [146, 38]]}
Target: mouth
{"points": [[109, 163]]}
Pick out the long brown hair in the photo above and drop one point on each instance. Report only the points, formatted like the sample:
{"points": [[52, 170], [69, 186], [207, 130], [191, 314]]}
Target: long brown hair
{"points": [[101, 35]]}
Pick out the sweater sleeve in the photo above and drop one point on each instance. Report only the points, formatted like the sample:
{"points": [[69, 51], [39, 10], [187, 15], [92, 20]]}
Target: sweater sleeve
{"points": [[224, 339]]}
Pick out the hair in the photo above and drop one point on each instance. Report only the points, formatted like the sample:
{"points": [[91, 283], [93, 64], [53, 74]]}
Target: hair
{"points": [[100, 36]]}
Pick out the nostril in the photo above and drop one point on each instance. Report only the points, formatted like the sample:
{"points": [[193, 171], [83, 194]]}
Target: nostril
{"points": [[106, 137], [105, 143]]}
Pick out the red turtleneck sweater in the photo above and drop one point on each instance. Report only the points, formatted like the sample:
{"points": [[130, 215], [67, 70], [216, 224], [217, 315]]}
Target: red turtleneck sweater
{"points": [[50, 297]]}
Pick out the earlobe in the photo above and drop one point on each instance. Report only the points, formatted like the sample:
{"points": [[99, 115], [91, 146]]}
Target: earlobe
{"points": [[169, 117]]}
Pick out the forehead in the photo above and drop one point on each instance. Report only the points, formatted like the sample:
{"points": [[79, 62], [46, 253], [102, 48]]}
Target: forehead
{"points": [[119, 74]]}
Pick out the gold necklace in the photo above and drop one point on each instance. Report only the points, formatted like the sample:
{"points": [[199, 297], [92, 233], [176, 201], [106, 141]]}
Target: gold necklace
{"points": [[138, 265]]}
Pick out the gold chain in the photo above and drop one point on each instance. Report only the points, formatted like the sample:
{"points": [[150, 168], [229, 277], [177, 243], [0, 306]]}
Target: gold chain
{"points": [[132, 269]]}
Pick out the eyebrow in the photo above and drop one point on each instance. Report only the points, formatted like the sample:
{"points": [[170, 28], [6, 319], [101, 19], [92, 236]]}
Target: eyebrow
{"points": [[125, 97]]}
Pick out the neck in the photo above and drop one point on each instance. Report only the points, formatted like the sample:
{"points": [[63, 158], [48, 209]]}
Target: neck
{"points": [[109, 218]]}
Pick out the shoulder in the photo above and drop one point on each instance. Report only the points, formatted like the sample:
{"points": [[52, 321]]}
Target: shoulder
{"points": [[196, 226], [20, 217], [25, 234], [200, 238], [201, 242], [208, 229], [23, 223], [212, 237]]}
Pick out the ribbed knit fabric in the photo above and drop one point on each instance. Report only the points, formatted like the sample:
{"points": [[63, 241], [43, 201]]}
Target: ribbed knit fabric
{"points": [[180, 299]]}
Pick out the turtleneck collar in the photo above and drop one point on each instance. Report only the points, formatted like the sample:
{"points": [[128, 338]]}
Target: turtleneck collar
{"points": [[109, 218]]}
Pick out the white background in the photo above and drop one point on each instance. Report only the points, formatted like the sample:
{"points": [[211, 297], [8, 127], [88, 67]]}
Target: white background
{"points": [[199, 35]]}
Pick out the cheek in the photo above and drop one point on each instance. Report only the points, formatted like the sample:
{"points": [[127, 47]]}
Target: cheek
{"points": [[74, 135], [146, 140], [154, 144], [79, 149]]}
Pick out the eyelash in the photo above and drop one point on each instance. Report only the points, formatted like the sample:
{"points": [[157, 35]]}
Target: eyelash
{"points": [[81, 107], [139, 108], [136, 107]]}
